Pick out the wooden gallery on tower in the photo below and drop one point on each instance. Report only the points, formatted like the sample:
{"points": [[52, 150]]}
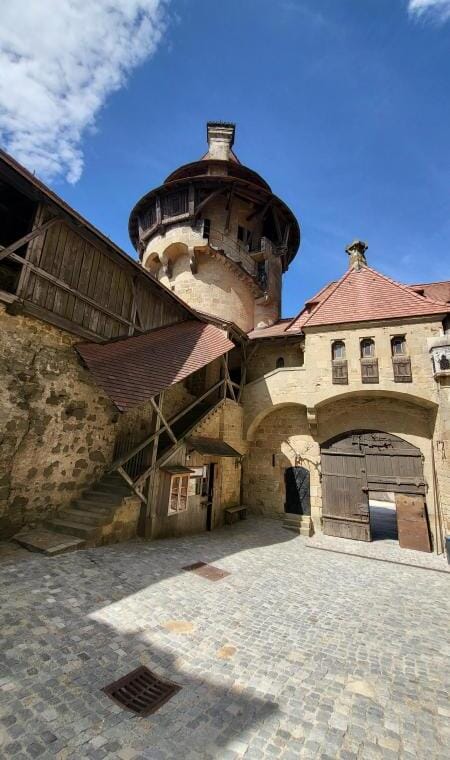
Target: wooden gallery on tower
{"points": [[166, 395]]}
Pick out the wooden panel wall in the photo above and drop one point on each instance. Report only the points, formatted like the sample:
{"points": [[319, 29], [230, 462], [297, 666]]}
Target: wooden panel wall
{"points": [[70, 276]]}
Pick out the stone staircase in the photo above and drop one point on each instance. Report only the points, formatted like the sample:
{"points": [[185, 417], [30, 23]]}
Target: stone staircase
{"points": [[301, 524], [106, 512]]}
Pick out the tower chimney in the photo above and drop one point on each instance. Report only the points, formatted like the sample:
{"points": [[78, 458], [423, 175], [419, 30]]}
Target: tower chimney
{"points": [[220, 140], [357, 252]]}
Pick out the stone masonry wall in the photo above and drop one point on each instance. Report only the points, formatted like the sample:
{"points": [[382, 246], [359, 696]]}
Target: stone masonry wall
{"points": [[57, 428]]}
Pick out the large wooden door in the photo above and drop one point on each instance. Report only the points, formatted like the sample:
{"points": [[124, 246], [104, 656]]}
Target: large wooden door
{"points": [[370, 460], [412, 522], [345, 496]]}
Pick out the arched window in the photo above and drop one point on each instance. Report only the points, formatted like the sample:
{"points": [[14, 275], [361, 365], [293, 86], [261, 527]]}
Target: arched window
{"points": [[280, 362], [367, 348], [398, 345], [338, 349]]}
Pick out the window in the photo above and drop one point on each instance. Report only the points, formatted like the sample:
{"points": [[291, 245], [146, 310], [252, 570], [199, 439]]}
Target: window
{"points": [[369, 363], [262, 273], [178, 494], [244, 235], [367, 348], [401, 363], [175, 204], [197, 481], [398, 345], [280, 362], [206, 228], [339, 363], [338, 349]]}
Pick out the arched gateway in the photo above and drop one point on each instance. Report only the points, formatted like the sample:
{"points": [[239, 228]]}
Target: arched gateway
{"points": [[363, 461]]}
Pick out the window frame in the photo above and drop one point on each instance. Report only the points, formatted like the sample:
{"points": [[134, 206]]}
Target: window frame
{"points": [[341, 344], [363, 343], [395, 341], [180, 496]]}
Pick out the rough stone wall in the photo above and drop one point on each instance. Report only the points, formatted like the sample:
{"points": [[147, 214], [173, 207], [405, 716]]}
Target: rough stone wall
{"points": [[57, 427], [264, 359]]}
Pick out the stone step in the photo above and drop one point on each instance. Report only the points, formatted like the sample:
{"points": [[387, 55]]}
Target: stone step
{"points": [[72, 528], [91, 505], [102, 498], [85, 516], [113, 489], [48, 542]]}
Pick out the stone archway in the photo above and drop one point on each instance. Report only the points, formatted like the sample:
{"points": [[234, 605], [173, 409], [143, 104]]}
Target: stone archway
{"points": [[279, 441], [360, 461]]}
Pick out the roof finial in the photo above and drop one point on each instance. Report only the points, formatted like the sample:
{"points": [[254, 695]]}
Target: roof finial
{"points": [[357, 251]]}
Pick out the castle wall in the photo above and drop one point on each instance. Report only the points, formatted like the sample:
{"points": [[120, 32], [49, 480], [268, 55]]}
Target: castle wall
{"points": [[214, 289], [58, 428], [289, 412]]}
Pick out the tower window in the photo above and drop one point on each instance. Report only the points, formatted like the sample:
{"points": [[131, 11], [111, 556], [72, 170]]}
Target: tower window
{"points": [[244, 235], [262, 273], [280, 362]]}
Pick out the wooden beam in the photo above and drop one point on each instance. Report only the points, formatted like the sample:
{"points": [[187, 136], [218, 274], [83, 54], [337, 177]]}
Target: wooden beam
{"points": [[229, 207], [277, 224], [208, 198], [163, 420], [261, 212], [27, 238], [125, 457], [132, 485]]}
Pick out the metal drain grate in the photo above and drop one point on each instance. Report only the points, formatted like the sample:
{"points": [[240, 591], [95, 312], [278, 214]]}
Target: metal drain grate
{"points": [[141, 691], [210, 572]]}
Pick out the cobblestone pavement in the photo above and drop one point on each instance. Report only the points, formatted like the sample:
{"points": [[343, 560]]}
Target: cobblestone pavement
{"points": [[298, 653]]}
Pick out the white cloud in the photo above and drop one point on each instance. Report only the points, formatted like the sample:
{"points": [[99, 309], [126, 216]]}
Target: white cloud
{"points": [[438, 9], [59, 61]]}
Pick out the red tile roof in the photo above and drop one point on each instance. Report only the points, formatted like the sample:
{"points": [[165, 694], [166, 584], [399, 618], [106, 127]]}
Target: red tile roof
{"points": [[133, 370], [274, 331], [439, 291], [365, 295]]}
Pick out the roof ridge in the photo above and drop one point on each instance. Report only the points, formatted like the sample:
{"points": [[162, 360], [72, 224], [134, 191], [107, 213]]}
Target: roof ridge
{"points": [[333, 290], [434, 282], [407, 288], [310, 300]]}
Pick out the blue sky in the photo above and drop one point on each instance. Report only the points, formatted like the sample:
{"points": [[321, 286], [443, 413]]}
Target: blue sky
{"points": [[342, 105]]}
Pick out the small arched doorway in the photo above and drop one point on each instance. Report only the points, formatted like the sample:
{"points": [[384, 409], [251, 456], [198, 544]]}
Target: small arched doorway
{"points": [[360, 463]]}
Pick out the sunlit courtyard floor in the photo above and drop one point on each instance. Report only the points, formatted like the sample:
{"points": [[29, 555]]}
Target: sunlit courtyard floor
{"points": [[299, 652]]}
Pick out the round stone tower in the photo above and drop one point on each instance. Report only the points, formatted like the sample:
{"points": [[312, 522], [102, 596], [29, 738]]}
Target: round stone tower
{"points": [[216, 235]]}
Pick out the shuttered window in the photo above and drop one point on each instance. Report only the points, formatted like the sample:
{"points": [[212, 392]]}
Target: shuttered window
{"points": [[339, 363], [369, 370], [340, 372], [402, 369]]}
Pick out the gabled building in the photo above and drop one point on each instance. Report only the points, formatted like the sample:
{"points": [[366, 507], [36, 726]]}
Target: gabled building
{"points": [[157, 397]]}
